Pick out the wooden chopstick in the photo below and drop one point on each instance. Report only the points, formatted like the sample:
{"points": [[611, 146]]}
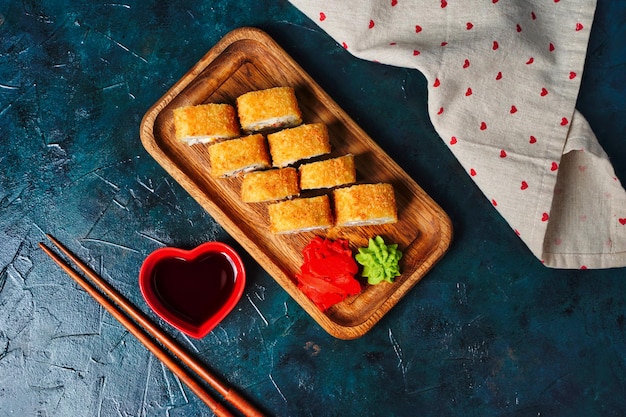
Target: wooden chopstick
{"points": [[144, 329]]}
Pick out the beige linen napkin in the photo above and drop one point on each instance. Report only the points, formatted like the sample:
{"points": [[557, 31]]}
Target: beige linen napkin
{"points": [[503, 80]]}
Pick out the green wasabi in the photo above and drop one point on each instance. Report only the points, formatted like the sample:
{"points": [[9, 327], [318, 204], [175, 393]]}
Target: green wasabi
{"points": [[380, 261]]}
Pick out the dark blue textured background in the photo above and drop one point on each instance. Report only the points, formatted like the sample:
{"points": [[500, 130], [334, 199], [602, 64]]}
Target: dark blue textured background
{"points": [[489, 332]]}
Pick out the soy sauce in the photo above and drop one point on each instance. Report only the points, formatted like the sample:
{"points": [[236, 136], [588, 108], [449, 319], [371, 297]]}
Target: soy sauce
{"points": [[195, 289]]}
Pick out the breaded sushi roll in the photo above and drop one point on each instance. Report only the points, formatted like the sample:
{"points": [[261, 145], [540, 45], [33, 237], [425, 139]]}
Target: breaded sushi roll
{"points": [[273, 108], [300, 215], [205, 123], [233, 156], [328, 173], [268, 185], [365, 204], [302, 142]]}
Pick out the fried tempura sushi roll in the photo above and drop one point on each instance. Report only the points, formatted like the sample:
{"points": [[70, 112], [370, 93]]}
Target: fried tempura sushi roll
{"points": [[365, 204], [327, 173], [233, 156], [303, 142], [300, 215], [273, 108], [205, 123], [268, 185]]}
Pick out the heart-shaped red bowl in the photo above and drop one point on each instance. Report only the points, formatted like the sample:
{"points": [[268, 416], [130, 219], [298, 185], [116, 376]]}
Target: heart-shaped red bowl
{"points": [[193, 290]]}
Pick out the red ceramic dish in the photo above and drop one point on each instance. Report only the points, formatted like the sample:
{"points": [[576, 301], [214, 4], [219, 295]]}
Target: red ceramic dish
{"points": [[193, 290]]}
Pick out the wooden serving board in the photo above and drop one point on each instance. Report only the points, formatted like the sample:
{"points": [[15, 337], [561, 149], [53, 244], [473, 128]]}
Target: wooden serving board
{"points": [[248, 59]]}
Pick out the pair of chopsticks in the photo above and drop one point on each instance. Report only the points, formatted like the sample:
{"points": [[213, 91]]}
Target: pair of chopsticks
{"points": [[152, 337]]}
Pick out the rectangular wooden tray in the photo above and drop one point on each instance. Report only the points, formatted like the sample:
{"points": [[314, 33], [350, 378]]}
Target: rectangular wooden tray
{"points": [[248, 59]]}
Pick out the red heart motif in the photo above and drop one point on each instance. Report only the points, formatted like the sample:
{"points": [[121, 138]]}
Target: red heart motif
{"points": [[418, 29], [545, 217], [579, 27], [554, 166], [572, 75], [468, 92], [453, 140], [193, 290], [564, 121], [532, 139], [345, 45], [444, 43], [502, 153], [513, 109], [322, 16], [437, 83], [622, 221], [544, 92], [472, 172], [551, 47], [440, 110], [533, 16], [495, 45], [530, 60], [518, 28], [483, 126], [524, 185], [494, 1], [466, 64], [469, 25], [499, 75], [371, 25], [494, 202], [394, 2], [444, 3], [416, 52]]}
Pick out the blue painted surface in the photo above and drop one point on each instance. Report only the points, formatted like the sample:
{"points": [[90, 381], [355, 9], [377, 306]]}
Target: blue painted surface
{"points": [[488, 332]]}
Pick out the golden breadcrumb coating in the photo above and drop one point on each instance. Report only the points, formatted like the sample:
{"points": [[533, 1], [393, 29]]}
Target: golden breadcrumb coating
{"points": [[303, 142], [265, 109], [365, 204], [300, 214], [236, 155], [205, 123], [272, 184], [328, 173]]}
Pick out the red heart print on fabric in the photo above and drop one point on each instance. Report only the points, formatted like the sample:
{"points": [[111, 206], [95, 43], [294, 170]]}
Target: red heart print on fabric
{"points": [[466, 64], [551, 47], [495, 45], [502, 153], [513, 109], [437, 83], [453, 140], [579, 27], [371, 25], [494, 202], [564, 121], [418, 29], [524, 185], [533, 16], [554, 166], [469, 26], [544, 92], [322, 16], [572, 75], [394, 2], [440, 110], [444, 3], [545, 217], [532, 139], [416, 52], [622, 221], [345, 45], [468, 92], [530, 60], [472, 172], [499, 76], [483, 126], [518, 28]]}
